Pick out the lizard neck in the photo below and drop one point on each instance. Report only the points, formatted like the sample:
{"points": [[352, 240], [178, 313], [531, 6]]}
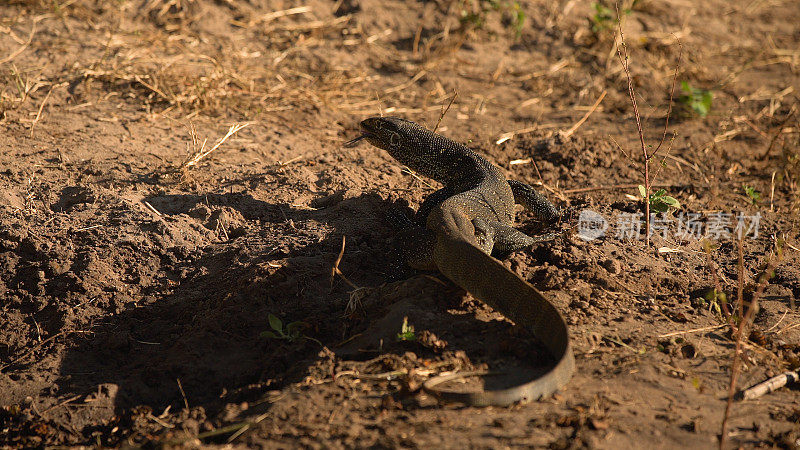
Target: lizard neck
{"points": [[443, 160]]}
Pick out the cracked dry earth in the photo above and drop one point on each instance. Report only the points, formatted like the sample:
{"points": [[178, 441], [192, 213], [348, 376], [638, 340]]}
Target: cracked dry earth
{"points": [[134, 292]]}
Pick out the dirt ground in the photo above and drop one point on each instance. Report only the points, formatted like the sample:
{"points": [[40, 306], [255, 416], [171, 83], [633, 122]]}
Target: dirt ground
{"points": [[136, 282]]}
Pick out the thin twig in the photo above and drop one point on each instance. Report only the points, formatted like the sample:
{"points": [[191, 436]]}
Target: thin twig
{"points": [[41, 108], [671, 97], [22, 48], [695, 330], [269, 17], [335, 270], [38, 346], [745, 320], [183, 394], [738, 347], [202, 154], [444, 111], [71, 399], [778, 322], [622, 53], [778, 132], [577, 125], [615, 187]]}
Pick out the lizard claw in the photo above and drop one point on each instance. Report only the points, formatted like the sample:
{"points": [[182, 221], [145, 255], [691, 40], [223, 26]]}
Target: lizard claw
{"points": [[568, 215]]}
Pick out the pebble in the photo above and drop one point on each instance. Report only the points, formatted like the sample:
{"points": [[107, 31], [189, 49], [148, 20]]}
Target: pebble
{"points": [[613, 266]]}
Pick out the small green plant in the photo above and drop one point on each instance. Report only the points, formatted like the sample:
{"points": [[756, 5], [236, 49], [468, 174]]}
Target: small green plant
{"points": [[292, 332], [698, 100], [475, 16], [604, 18], [406, 332], [752, 194], [714, 299], [659, 200], [517, 18]]}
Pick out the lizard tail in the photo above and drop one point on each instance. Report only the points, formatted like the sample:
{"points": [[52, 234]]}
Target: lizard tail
{"points": [[491, 282]]}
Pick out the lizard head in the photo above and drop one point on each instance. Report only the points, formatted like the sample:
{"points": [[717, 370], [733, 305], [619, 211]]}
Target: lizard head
{"points": [[388, 133], [410, 144]]}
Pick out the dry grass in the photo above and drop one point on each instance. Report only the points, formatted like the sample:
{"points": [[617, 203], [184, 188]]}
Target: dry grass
{"points": [[153, 52]]}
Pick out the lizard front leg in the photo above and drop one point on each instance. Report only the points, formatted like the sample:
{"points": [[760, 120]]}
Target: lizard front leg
{"points": [[535, 202], [508, 239]]}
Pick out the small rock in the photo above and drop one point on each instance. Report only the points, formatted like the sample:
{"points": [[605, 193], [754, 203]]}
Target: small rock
{"points": [[613, 266]]}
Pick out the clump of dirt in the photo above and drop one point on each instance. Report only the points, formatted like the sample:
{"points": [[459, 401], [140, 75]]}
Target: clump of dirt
{"points": [[136, 290]]}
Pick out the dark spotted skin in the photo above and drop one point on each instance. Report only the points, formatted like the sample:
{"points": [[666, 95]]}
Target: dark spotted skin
{"points": [[456, 229], [471, 184]]}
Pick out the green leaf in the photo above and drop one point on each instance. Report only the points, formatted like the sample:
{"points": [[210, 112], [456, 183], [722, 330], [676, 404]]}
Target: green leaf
{"points": [[752, 193], [707, 98], [406, 331], [699, 100], [659, 193], [659, 206], [642, 191], [406, 336], [671, 201], [269, 335], [275, 323]]}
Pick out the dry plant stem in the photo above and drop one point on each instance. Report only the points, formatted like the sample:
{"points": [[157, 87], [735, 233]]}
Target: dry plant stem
{"points": [[183, 394], [737, 348], [622, 53], [577, 125], [741, 331], [202, 153], [335, 270], [778, 133], [22, 48], [41, 108], [694, 330], [615, 187], [37, 346], [444, 111]]}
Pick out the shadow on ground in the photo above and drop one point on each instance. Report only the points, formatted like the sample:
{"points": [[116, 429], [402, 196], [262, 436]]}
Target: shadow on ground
{"points": [[200, 344]]}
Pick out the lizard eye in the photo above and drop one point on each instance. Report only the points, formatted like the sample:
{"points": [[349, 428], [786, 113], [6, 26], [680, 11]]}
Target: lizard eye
{"points": [[394, 139]]}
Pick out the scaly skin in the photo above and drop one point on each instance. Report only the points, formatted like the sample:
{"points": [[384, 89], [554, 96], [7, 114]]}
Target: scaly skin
{"points": [[465, 222]]}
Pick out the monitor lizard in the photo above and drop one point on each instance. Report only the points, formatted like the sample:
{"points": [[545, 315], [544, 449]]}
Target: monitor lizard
{"points": [[456, 230]]}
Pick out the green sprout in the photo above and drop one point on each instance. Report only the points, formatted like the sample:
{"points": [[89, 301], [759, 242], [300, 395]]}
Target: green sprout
{"points": [[714, 299], [752, 194], [698, 100], [604, 17], [659, 200], [511, 10], [292, 332], [406, 332]]}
